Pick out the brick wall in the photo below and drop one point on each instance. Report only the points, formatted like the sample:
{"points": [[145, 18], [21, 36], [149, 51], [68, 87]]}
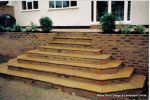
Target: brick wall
{"points": [[7, 10], [13, 44], [132, 49]]}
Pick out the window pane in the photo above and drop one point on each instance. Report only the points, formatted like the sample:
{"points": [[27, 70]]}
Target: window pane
{"points": [[35, 4], [129, 9], [51, 4], [102, 8], [29, 5], [118, 10], [73, 3], [58, 4], [65, 3], [24, 5]]}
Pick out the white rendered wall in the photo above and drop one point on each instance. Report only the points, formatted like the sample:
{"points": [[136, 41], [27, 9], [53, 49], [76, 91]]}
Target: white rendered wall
{"points": [[80, 16], [140, 12]]}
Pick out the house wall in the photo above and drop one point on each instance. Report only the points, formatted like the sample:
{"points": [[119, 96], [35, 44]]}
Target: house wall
{"points": [[140, 12], [80, 16]]}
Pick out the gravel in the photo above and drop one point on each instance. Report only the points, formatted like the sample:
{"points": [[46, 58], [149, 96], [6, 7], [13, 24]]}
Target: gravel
{"points": [[15, 90]]}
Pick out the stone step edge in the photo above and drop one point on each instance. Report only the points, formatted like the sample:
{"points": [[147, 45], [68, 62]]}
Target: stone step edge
{"points": [[136, 82], [110, 65], [83, 56], [123, 73], [71, 48], [73, 37], [72, 43]]}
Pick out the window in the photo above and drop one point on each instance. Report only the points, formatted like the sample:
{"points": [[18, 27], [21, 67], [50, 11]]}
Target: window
{"points": [[129, 10], [102, 8], [30, 5], [62, 4], [58, 4], [73, 3], [118, 9]]}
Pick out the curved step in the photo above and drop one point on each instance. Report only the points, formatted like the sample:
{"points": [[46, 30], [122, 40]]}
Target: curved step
{"points": [[100, 57], [72, 48], [110, 65], [71, 42], [136, 82], [122, 73]]}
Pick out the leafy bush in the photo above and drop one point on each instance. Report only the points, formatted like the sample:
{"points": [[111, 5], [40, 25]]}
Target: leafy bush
{"points": [[108, 23], [8, 29], [139, 29], [4, 2], [125, 29], [28, 29], [14, 28], [34, 27], [46, 24], [2, 29]]}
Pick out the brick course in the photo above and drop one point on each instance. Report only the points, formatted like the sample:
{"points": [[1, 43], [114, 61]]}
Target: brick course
{"points": [[132, 49], [7, 10]]}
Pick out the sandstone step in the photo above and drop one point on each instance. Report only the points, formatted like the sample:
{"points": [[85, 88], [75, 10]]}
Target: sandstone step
{"points": [[74, 37], [73, 40], [135, 83], [99, 57], [72, 43], [72, 48], [122, 73], [110, 65]]}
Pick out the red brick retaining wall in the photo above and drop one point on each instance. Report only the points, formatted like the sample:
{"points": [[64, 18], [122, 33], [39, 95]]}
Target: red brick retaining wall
{"points": [[131, 49], [13, 44]]}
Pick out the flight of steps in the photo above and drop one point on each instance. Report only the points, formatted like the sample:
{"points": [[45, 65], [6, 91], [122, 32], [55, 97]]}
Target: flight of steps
{"points": [[70, 61]]}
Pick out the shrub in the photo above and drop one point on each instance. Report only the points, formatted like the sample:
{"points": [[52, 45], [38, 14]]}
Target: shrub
{"points": [[107, 22], [125, 29], [16, 28], [34, 27], [28, 29], [2, 29], [46, 24], [8, 29], [139, 29]]}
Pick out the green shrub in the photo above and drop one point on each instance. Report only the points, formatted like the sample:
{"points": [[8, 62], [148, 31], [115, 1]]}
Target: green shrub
{"points": [[2, 29], [28, 29], [107, 22], [34, 27], [125, 29], [139, 29], [8, 29], [16, 28], [46, 24]]}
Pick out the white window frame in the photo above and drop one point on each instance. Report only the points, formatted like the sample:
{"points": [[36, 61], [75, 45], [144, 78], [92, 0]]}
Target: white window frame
{"points": [[32, 5], [125, 21], [70, 7]]}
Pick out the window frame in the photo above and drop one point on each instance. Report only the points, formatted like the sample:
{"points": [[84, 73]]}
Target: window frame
{"points": [[26, 4], [69, 7], [125, 21]]}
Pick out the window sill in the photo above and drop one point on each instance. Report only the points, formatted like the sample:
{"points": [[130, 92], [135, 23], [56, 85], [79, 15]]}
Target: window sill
{"points": [[30, 10], [62, 8], [116, 22]]}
